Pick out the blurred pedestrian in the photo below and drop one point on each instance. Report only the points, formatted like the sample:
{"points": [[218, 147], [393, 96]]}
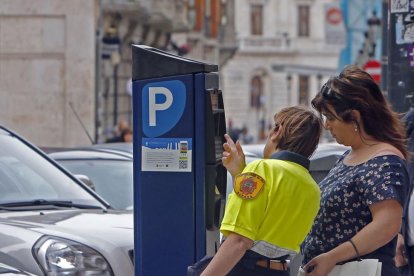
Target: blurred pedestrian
{"points": [[244, 136], [117, 136], [274, 200], [126, 135], [363, 195]]}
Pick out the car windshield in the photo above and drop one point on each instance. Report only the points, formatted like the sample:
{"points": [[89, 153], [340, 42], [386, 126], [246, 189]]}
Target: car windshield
{"points": [[112, 179], [27, 176]]}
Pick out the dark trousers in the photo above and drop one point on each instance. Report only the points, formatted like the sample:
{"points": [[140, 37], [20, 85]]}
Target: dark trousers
{"points": [[410, 256], [241, 270], [408, 270], [389, 269]]}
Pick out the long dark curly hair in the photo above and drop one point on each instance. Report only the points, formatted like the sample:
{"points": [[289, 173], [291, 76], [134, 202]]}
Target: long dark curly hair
{"points": [[355, 89]]}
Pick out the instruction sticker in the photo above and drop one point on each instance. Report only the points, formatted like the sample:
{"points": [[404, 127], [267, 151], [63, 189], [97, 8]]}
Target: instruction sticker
{"points": [[399, 6], [166, 154]]}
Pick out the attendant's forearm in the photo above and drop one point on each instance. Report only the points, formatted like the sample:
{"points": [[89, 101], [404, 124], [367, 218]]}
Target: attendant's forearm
{"points": [[229, 254], [237, 170], [241, 168]]}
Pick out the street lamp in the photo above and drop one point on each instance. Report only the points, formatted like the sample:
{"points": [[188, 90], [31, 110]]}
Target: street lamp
{"points": [[111, 44], [374, 23]]}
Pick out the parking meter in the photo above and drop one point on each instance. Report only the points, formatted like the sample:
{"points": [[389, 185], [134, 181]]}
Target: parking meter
{"points": [[179, 180]]}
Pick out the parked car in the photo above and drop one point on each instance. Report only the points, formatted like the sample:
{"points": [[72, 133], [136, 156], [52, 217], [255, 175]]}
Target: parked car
{"points": [[109, 171], [321, 161], [53, 224], [6, 270]]}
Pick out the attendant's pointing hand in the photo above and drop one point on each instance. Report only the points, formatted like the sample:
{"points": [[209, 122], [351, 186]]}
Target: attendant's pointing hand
{"points": [[233, 156]]}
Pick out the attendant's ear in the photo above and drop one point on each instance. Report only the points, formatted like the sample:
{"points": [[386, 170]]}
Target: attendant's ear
{"points": [[276, 134]]}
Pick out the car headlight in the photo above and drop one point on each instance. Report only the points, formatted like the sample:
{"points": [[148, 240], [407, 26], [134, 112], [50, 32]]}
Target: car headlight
{"points": [[59, 256]]}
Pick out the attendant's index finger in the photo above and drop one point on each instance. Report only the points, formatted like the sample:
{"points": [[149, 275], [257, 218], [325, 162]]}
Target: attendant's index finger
{"points": [[229, 140]]}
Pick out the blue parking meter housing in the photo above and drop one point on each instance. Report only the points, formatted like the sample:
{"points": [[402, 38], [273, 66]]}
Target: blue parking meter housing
{"points": [[179, 180]]}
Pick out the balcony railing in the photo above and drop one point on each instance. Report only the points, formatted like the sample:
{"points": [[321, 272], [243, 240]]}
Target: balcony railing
{"points": [[262, 44], [284, 44], [138, 8]]}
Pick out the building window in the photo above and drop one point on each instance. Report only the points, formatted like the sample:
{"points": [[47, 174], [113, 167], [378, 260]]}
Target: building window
{"points": [[215, 17], [199, 14], [191, 13], [303, 20], [303, 90], [256, 20], [256, 92]]}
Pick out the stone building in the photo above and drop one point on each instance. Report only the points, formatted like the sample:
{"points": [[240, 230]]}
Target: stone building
{"points": [[65, 65], [47, 62], [122, 23], [198, 29]]}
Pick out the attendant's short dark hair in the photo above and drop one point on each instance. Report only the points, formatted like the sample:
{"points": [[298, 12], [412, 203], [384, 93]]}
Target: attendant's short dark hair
{"points": [[300, 130]]}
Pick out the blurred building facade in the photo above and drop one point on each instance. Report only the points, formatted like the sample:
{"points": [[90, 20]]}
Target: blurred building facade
{"points": [[120, 24], [65, 80], [198, 29], [67, 77], [47, 61], [286, 50]]}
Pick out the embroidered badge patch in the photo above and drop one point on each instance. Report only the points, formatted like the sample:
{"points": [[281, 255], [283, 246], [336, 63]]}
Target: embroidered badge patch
{"points": [[248, 185]]}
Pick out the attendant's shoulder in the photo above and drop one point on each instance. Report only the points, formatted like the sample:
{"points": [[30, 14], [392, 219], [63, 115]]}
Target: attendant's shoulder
{"points": [[316, 188], [255, 163]]}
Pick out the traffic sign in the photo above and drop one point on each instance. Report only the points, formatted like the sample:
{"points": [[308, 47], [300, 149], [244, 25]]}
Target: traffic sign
{"points": [[373, 67], [334, 15]]}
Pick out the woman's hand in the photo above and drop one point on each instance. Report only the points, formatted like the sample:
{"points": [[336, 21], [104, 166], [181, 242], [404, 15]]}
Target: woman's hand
{"points": [[320, 265], [233, 156], [400, 259]]}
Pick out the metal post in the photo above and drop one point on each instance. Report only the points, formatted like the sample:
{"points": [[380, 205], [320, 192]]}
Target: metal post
{"points": [[115, 94], [398, 70], [385, 45], [98, 65]]}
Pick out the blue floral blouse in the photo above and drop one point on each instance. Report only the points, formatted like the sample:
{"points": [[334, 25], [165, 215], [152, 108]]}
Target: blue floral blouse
{"points": [[346, 194]]}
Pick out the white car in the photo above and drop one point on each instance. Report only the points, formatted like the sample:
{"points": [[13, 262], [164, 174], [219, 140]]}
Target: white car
{"points": [[51, 223], [321, 161], [6, 270]]}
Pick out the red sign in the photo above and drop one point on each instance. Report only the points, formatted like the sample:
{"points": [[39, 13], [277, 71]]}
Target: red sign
{"points": [[373, 67], [334, 15]]}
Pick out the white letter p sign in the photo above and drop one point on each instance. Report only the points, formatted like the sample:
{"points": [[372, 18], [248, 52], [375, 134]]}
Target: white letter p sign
{"points": [[154, 107]]}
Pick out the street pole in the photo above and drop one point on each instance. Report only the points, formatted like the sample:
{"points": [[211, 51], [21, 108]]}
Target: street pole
{"points": [[115, 94], [384, 48], [98, 70], [395, 93], [400, 80]]}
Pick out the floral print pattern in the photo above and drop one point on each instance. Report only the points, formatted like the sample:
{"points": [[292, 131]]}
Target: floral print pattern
{"points": [[346, 194]]}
